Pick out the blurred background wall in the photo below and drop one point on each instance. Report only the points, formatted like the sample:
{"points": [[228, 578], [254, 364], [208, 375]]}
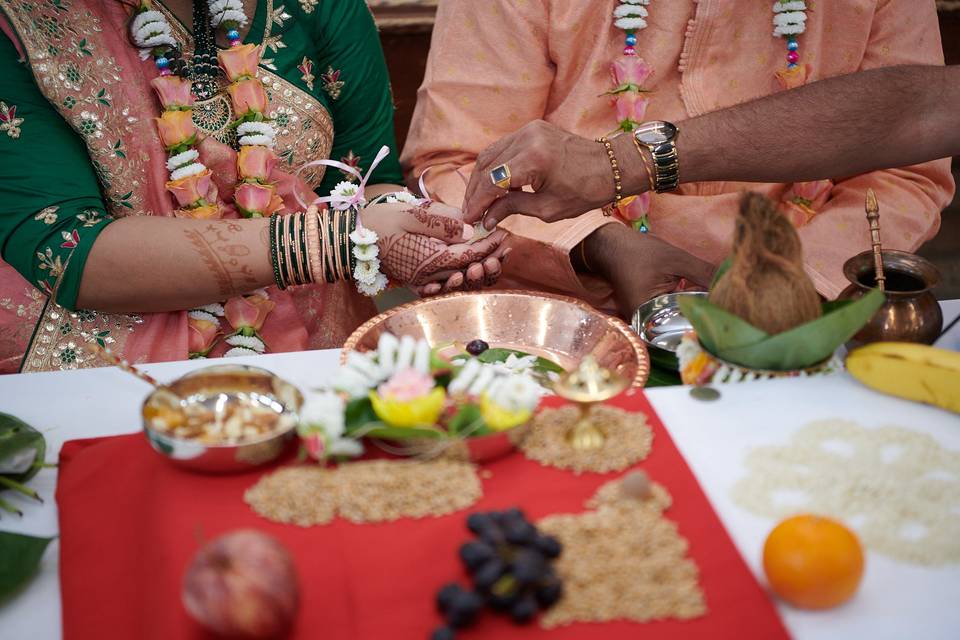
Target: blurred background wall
{"points": [[406, 25]]}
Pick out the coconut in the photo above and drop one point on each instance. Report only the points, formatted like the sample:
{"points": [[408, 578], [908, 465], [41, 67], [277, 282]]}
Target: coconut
{"points": [[766, 284]]}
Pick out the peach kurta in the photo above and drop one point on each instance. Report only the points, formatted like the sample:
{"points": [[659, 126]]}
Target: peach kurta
{"points": [[498, 64]]}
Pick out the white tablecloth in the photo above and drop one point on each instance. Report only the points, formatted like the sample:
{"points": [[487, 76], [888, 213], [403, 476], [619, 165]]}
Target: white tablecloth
{"points": [[896, 600]]}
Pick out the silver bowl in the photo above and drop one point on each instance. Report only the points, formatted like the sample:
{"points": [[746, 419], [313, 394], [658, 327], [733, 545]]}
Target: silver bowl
{"points": [[661, 326], [215, 388], [558, 328]]}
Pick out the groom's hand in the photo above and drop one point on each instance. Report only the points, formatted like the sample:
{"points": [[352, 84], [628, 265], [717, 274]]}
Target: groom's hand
{"points": [[639, 266], [569, 175]]}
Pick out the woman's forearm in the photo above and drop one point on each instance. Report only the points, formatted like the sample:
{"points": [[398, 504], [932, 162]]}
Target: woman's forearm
{"points": [[147, 264], [847, 125]]}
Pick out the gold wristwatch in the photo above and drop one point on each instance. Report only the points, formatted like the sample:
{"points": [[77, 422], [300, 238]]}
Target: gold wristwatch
{"points": [[660, 139]]}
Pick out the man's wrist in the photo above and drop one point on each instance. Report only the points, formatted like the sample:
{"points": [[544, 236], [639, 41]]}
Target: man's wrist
{"points": [[634, 170]]}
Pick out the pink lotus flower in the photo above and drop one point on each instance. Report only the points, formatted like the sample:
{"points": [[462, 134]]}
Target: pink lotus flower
{"points": [[241, 62], [192, 189], [631, 107], [247, 314], [406, 385], [256, 163], [173, 91], [630, 70], [201, 336], [255, 200], [634, 208], [176, 127], [248, 95]]}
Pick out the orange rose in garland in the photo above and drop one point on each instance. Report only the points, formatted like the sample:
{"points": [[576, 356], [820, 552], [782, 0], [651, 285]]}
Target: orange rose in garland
{"points": [[177, 130], [240, 62]]}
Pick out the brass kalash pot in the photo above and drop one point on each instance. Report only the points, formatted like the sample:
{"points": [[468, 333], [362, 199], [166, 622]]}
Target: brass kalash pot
{"points": [[911, 312]]}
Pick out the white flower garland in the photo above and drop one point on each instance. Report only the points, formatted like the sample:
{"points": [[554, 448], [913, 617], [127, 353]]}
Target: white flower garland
{"points": [[370, 280], [630, 15], [227, 11], [789, 18], [247, 342]]}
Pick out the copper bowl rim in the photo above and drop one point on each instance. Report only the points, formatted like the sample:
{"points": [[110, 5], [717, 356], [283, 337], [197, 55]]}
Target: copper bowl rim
{"points": [[639, 348]]}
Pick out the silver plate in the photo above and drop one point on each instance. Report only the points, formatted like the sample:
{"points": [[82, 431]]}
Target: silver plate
{"points": [[661, 326]]}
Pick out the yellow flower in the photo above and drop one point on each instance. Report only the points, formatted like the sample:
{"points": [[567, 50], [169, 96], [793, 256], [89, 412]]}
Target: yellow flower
{"points": [[500, 419], [419, 412]]}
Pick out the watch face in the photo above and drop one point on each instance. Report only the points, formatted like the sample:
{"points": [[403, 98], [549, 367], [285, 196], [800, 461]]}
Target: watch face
{"points": [[655, 136], [654, 133]]}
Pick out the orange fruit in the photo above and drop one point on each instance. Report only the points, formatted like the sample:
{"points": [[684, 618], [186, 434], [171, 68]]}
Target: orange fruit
{"points": [[813, 562]]}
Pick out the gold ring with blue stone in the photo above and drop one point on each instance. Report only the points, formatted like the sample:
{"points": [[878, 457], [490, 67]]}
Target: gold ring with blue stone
{"points": [[500, 176]]}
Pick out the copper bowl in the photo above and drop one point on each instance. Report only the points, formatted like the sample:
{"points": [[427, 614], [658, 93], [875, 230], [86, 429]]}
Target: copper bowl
{"points": [[558, 328]]}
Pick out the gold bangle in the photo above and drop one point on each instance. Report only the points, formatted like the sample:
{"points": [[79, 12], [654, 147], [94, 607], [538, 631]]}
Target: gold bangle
{"points": [[647, 165], [583, 259], [337, 258], [327, 257], [314, 246], [617, 184], [288, 252]]}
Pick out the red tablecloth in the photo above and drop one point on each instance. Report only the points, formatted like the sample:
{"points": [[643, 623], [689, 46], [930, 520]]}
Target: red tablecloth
{"points": [[130, 523]]}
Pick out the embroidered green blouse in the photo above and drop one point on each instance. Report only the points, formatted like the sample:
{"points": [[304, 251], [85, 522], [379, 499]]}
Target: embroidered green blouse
{"points": [[52, 202]]}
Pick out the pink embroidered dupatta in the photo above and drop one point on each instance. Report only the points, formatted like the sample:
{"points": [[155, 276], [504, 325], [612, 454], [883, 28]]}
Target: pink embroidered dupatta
{"points": [[320, 316]]}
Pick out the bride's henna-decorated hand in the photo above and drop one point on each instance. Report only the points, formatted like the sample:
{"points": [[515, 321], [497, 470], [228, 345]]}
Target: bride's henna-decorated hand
{"points": [[420, 245]]}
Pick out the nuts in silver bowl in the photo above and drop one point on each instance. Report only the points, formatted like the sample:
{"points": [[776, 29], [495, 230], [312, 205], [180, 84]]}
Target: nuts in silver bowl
{"points": [[222, 418]]}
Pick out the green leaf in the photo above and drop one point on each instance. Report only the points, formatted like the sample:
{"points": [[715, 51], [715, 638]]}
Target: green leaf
{"points": [[660, 377], [722, 269], [466, 419], [19, 559], [811, 342], [359, 413], [718, 330], [17, 436]]}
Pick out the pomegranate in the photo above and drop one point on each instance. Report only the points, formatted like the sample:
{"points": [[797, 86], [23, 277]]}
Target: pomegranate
{"points": [[242, 585]]}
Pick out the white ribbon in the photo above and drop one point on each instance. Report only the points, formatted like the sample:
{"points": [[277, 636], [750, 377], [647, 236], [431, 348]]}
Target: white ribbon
{"points": [[338, 202]]}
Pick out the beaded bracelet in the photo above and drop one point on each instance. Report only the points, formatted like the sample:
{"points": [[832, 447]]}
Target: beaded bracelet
{"points": [[617, 184]]}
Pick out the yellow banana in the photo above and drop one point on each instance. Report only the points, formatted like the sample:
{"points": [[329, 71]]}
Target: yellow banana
{"points": [[912, 371]]}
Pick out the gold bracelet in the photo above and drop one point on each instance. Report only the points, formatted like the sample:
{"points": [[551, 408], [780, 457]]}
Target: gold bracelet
{"points": [[648, 167], [337, 258], [617, 184], [314, 247]]}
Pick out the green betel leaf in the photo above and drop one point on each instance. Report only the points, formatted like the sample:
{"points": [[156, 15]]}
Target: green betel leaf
{"points": [[467, 419], [401, 433], [359, 413], [717, 329], [19, 442], [722, 269], [19, 558], [811, 342]]}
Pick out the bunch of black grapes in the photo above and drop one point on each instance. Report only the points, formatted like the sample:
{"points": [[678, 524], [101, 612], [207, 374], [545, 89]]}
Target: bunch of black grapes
{"points": [[511, 567]]}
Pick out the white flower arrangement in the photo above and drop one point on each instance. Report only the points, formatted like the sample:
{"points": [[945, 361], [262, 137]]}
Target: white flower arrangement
{"points": [[150, 29], [253, 343], [182, 159], [370, 280], [630, 24], [626, 10], [257, 133], [192, 169], [201, 314], [323, 413], [789, 18], [515, 392], [477, 378], [214, 307], [345, 189], [401, 196], [366, 252], [237, 352], [227, 11], [365, 371]]}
